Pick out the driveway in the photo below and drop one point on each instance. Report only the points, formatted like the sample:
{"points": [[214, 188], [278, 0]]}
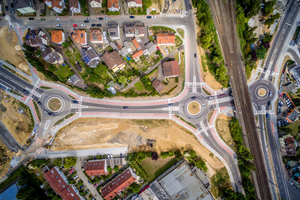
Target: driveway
{"points": [[82, 176]]}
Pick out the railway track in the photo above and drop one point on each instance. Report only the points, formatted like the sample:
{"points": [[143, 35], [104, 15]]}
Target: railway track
{"points": [[225, 22]]}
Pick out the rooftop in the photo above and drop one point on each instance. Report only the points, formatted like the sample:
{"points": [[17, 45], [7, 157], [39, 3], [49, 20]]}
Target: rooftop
{"points": [[79, 36], [165, 38], [112, 59], [137, 54], [55, 180], [69, 194], [113, 3], [293, 116], [96, 167], [57, 36], [157, 85], [171, 69], [95, 35]]}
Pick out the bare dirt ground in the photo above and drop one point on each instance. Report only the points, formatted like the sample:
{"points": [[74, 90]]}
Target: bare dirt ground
{"points": [[206, 76], [16, 123], [86, 133], [11, 49], [222, 126], [5, 166], [194, 107], [262, 92]]}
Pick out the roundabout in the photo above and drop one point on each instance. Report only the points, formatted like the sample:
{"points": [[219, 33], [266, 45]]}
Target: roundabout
{"points": [[54, 104], [261, 92], [194, 107]]}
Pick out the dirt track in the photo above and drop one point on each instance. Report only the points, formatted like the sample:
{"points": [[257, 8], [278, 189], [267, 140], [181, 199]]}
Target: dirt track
{"points": [[11, 49], [87, 133]]}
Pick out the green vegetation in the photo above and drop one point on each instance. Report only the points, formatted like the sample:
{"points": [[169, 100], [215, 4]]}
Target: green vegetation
{"points": [[57, 162], [39, 163], [84, 8], [66, 117], [195, 160], [69, 162], [219, 181], [46, 88], [37, 110], [16, 93], [206, 92], [261, 52], [192, 125], [178, 41], [64, 72], [272, 19], [180, 31], [161, 29], [139, 86], [269, 7], [29, 114], [112, 12], [209, 41]]}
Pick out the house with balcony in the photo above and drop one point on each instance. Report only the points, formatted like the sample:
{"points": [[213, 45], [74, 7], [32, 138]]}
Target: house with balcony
{"points": [[96, 3], [52, 57], [58, 36], [134, 3], [56, 5], [25, 6], [113, 61], [113, 5], [74, 6]]}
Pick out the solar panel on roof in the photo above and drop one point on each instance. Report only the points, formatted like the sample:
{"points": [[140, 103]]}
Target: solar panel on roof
{"points": [[87, 59], [82, 35]]}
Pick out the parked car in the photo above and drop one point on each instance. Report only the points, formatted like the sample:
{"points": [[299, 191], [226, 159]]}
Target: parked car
{"points": [[58, 25], [12, 5], [72, 171], [96, 184], [57, 18], [149, 17], [13, 10], [82, 25], [87, 18], [86, 21], [211, 98], [105, 17], [75, 25], [222, 95], [43, 19], [98, 24], [100, 18], [6, 8], [93, 25], [75, 177], [125, 107], [131, 16], [154, 16], [31, 18]]}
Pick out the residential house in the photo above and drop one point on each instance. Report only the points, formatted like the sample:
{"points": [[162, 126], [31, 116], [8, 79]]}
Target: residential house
{"points": [[113, 5], [165, 39], [96, 3], [136, 55], [293, 115], [79, 37], [73, 79], [52, 57], [96, 36], [74, 6], [134, 30], [113, 61], [136, 44], [134, 3], [58, 36], [126, 49], [290, 146], [158, 85], [171, 69], [129, 30], [150, 48], [113, 31], [96, 167], [59, 184], [36, 38], [56, 5], [25, 6], [0, 8], [90, 57], [117, 45], [118, 184]]}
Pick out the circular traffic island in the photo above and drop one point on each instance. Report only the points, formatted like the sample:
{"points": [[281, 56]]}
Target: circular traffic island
{"points": [[262, 92], [194, 107], [54, 104]]}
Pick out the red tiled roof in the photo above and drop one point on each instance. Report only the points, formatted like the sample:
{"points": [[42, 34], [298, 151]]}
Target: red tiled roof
{"points": [[112, 3], [73, 3], [95, 168], [56, 36], [55, 180], [136, 44], [137, 54], [95, 35], [118, 184], [165, 38], [136, 1], [171, 68], [112, 59], [157, 85], [69, 194], [289, 140], [55, 3]]}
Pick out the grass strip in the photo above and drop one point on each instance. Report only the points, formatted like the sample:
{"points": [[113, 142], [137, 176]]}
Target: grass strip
{"points": [[192, 125], [16, 93], [37, 110], [45, 88], [25, 107], [206, 92], [66, 117], [72, 97]]}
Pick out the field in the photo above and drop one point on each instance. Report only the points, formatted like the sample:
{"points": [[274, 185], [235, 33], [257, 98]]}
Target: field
{"points": [[218, 181], [139, 86], [64, 71]]}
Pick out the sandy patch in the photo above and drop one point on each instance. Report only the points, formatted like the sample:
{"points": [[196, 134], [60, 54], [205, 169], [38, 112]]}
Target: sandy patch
{"points": [[86, 133], [16, 123], [262, 92], [5, 166], [194, 107], [11, 50], [222, 126], [54, 104]]}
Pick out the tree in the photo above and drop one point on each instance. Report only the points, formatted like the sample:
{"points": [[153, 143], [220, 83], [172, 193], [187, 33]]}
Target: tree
{"points": [[134, 187], [236, 130], [116, 168], [89, 70], [229, 194], [217, 59], [205, 41], [286, 130], [276, 16], [171, 153], [109, 169], [69, 162], [266, 45], [66, 44], [94, 78], [122, 80], [261, 52], [193, 154], [269, 7], [178, 154], [154, 156], [200, 164], [221, 73], [267, 38], [80, 183], [269, 21], [101, 70], [245, 153]]}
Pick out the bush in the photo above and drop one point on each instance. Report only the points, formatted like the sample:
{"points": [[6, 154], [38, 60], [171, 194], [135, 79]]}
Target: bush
{"points": [[109, 169], [70, 162], [112, 13], [116, 168], [154, 156]]}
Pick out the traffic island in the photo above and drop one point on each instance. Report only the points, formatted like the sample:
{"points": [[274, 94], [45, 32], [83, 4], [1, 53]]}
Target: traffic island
{"points": [[262, 92], [54, 104], [194, 108]]}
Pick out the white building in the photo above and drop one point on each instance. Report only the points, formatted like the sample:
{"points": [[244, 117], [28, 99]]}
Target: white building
{"points": [[74, 6], [134, 3], [96, 3]]}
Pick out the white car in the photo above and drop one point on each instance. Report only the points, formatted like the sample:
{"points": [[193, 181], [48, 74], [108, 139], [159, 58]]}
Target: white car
{"points": [[57, 18], [58, 25], [105, 17], [82, 25], [154, 16]]}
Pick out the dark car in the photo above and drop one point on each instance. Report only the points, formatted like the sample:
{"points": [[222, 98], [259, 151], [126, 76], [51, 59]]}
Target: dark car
{"points": [[75, 102], [194, 97], [51, 114], [6, 8], [267, 115], [39, 103], [195, 55], [43, 19], [100, 18], [265, 69], [93, 25], [125, 107], [13, 11], [132, 17], [12, 5], [170, 104], [269, 103], [98, 24], [149, 17], [86, 21], [31, 18], [25, 91]]}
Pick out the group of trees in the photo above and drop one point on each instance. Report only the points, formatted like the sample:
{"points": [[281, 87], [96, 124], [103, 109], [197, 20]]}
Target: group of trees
{"points": [[269, 7], [195, 160], [209, 41], [244, 159], [69, 162]]}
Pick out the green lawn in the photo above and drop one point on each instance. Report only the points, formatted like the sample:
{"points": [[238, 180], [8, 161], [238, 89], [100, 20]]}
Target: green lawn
{"points": [[64, 71], [139, 86], [219, 181], [156, 168], [294, 126]]}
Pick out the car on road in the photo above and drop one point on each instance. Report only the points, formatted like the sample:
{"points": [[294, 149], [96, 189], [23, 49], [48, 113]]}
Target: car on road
{"points": [[82, 24], [51, 114], [12, 5], [291, 182], [265, 69], [58, 25], [270, 94], [203, 105], [6, 8], [93, 25], [195, 55], [75, 25], [193, 98], [57, 18], [98, 24], [222, 95], [105, 17], [269, 103], [149, 17], [86, 21], [125, 107], [100, 18], [43, 19], [75, 102], [39, 103], [25, 91], [87, 18], [271, 72], [211, 98], [13, 10], [31, 18], [170, 104], [267, 115], [154, 16], [131, 16]]}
